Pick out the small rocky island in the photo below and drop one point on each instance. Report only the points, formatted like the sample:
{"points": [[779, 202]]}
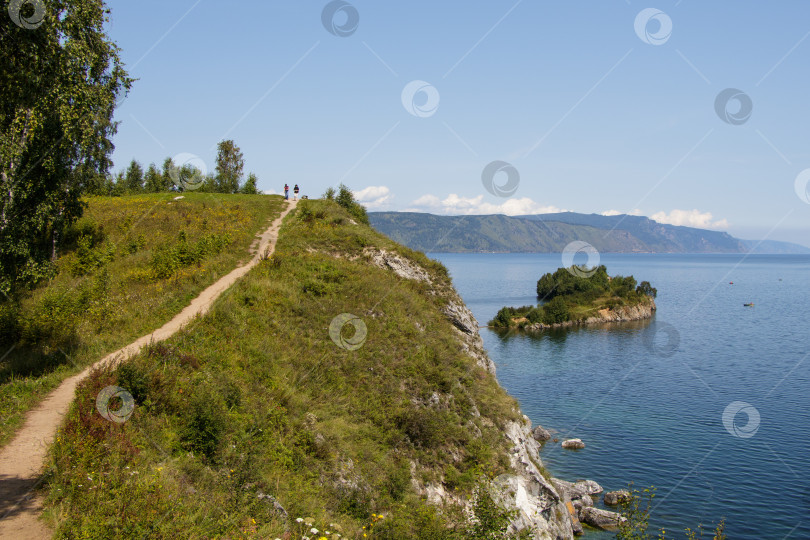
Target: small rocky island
{"points": [[580, 295]]}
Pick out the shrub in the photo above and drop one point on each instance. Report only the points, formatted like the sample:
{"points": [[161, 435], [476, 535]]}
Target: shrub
{"points": [[646, 288], [345, 198], [132, 379], [556, 311], [205, 424], [89, 256], [491, 521]]}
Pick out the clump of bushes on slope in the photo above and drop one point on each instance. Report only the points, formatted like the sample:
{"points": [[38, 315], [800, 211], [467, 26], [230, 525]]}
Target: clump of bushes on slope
{"points": [[345, 198], [575, 293]]}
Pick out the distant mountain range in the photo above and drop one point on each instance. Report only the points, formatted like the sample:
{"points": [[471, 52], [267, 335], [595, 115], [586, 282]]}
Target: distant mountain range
{"points": [[550, 233]]}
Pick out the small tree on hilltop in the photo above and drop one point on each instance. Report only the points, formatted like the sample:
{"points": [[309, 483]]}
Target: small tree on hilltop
{"points": [[250, 185], [345, 198], [168, 181], [230, 165], [134, 177]]}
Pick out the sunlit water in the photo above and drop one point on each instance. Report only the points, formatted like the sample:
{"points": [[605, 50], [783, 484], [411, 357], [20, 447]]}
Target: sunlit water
{"points": [[650, 410]]}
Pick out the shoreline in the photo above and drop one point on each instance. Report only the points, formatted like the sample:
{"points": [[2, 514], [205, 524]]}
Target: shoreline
{"points": [[621, 314]]}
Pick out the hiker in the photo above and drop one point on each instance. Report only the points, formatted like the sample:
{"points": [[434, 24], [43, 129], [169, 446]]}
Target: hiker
{"points": [[286, 192], [295, 190]]}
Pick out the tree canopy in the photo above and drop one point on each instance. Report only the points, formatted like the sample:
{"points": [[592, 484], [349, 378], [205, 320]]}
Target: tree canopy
{"points": [[230, 166], [60, 78]]}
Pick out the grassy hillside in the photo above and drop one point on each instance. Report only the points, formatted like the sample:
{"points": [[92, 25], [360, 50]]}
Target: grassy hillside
{"points": [[256, 423], [549, 233], [127, 267]]}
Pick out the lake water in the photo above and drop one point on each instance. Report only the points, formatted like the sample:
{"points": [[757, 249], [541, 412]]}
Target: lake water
{"points": [[649, 399]]}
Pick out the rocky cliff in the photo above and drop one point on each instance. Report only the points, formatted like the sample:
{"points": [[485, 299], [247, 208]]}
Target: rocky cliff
{"points": [[546, 506]]}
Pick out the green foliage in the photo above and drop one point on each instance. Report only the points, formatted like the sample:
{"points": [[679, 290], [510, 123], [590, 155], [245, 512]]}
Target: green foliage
{"points": [[329, 194], [572, 294], [556, 311], [491, 522], [345, 198], [154, 181], [170, 258], [646, 289], [133, 181], [205, 422], [58, 86], [250, 185], [230, 165], [636, 511], [90, 255], [567, 282]]}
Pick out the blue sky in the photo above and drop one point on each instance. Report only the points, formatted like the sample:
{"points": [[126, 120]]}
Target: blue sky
{"points": [[592, 114]]}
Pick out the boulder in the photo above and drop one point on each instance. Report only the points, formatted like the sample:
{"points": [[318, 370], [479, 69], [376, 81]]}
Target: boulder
{"points": [[541, 434], [601, 519], [576, 491], [612, 498], [573, 444], [583, 502], [588, 486]]}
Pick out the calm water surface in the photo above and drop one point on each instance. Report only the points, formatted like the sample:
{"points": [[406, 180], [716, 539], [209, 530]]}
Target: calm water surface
{"points": [[649, 398]]}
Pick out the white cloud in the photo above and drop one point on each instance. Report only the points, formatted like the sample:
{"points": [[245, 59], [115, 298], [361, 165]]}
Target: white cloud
{"points": [[270, 192], [633, 212], [457, 205], [374, 197], [690, 218]]}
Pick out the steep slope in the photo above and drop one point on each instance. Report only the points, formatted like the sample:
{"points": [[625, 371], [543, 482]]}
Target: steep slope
{"points": [[340, 381]]}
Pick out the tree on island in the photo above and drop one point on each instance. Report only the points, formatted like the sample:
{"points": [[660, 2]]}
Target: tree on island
{"points": [[576, 293]]}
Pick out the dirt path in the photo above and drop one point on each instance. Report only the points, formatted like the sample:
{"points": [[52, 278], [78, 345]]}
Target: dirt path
{"points": [[22, 459]]}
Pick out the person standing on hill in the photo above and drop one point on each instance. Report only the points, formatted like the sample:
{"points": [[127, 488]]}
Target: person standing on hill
{"points": [[295, 190], [286, 192]]}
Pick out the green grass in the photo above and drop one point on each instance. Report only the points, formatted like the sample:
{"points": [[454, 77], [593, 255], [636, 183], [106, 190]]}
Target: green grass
{"points": [[127, 267], [256, 399]]}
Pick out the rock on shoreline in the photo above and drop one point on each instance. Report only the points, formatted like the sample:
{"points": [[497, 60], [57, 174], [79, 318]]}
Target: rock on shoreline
{"points": [[620, 314]]}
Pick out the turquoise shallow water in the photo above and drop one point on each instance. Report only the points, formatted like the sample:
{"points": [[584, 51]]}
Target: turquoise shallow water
{"points": [[649, 399]]}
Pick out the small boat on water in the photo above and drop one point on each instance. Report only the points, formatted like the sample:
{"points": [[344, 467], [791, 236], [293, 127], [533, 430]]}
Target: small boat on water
{"points": [[749, 304]]}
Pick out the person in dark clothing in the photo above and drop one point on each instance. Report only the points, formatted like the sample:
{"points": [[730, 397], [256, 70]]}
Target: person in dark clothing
{"points": [[295, 190]]}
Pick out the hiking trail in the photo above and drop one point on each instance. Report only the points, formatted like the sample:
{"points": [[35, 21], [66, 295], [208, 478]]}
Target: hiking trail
{"points": [[23, 458]]}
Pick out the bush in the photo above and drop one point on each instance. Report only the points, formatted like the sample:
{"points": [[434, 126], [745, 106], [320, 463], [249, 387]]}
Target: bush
{"points": [[132, 379], [490, 522], [345, 198], [646, 288], [556, 311], [206, 423], [168, 259], [90, 256]]}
